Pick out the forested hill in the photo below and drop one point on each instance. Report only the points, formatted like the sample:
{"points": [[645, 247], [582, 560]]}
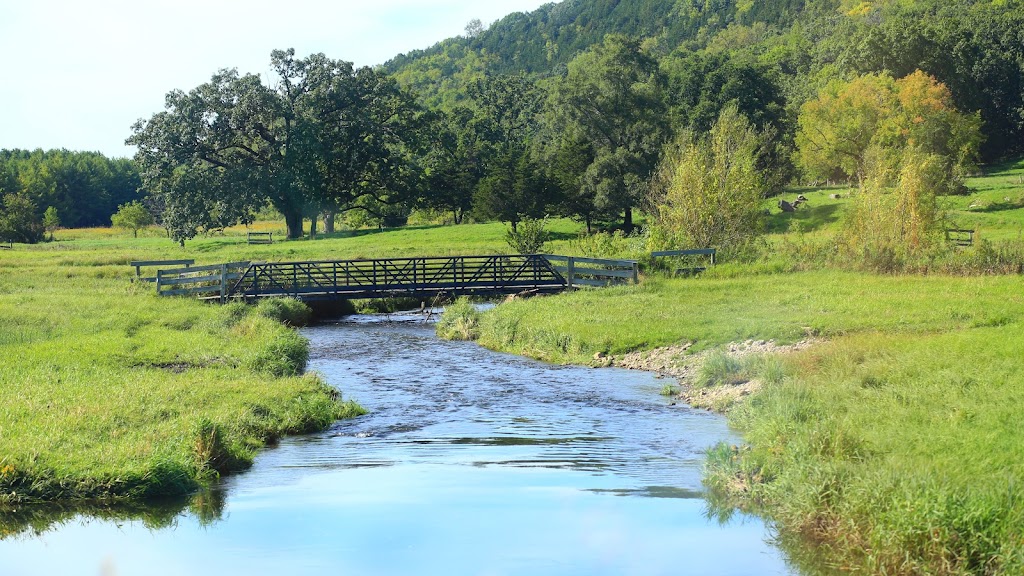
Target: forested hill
{"points": [[552, 35], [545, 40], [976, 47]]}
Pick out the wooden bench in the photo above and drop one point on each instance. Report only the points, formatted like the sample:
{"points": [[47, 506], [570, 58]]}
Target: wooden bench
{"points": [[140, 264], [259, 237], [710, 252], [959, 237]]}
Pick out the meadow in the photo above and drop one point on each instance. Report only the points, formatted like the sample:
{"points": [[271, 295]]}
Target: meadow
{"points": [[891, 444]]}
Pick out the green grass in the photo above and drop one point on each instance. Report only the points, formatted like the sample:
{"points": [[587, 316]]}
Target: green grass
{"points": [[713, 311], [899, 453], [108, 392]]}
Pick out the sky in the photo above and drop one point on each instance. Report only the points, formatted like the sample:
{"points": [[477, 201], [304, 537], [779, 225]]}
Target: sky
{"points": [[79, 73]]}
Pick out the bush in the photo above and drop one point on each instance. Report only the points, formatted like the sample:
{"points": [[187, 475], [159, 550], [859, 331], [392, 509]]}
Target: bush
{"points": [[288, 311], [281, 355], [528, 237], [460, 321], [708, 191]]}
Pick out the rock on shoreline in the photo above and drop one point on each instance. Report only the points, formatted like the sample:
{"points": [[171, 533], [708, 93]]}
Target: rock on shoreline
{"points": [[677, 362]]}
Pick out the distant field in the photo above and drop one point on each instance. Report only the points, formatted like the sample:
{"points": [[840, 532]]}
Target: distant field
{"points": [[993, 206]]}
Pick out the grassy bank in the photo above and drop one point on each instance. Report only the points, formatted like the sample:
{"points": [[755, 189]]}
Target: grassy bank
{"points": [[893, 445], [108, 392]]}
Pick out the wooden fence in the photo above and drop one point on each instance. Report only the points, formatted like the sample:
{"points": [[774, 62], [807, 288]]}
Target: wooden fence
{"points": [[960, 237], [259, 237], [204, 282], [580, 271], [689, 261]]}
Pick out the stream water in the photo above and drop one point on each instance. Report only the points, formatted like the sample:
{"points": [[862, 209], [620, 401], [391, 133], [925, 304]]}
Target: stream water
{"points": [[470, 462]]}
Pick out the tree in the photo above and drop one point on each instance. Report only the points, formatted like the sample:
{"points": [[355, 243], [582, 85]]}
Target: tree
{"points": [[837, 129], [511, 185], [51, 220], [474, 28], [19, 221], [513, 190], [852, 123], [453, 164], [701, 85], [324, 136], [132, 216], [611, 99], [708, 190]]}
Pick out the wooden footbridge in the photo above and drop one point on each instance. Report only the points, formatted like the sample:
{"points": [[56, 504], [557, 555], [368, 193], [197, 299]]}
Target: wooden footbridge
{"points": [[380, 278]]}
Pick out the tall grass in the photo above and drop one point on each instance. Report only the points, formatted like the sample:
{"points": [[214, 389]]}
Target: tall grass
{"points": [[898, 452]]}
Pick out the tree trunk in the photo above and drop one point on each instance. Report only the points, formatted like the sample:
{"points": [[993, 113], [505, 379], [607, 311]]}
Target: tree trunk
{"points": [[312, 227], [329, 222], [627, 224], [590, 229], [294, 222]]}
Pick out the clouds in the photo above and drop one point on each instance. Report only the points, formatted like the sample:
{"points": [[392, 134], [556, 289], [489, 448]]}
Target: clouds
{"points": [[78, 74]]}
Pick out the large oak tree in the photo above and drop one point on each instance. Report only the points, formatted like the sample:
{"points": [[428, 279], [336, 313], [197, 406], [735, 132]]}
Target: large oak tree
{"points": [[321, 138]]}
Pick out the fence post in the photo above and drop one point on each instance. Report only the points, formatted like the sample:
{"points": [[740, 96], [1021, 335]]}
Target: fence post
{"points": [[570, 271], [159, 273], [636, 272], [223, 282]]}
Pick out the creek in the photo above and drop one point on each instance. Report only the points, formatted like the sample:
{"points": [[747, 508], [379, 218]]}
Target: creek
{"points": [[469, 462]]}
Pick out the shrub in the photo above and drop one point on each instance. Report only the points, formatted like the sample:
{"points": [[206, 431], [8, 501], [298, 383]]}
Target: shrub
{"points": [[708, 191], [288, 311], [460, 321], [528, 237]]}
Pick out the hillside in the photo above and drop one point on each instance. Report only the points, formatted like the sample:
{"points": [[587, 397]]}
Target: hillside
{"points": [[974, 47]]}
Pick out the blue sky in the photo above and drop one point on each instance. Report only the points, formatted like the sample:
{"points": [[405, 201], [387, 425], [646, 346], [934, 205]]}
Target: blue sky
{"points": [[78, 73]]}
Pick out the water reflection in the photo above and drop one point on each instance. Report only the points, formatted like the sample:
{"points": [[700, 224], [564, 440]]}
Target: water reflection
{"points": [[34, 520]]}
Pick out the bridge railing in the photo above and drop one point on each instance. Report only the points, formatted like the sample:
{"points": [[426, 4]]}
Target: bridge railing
{"points": [[413, 276], [580, 271]]}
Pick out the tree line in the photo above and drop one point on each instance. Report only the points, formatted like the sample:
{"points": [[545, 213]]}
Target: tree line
{"points": [[41, 190]]}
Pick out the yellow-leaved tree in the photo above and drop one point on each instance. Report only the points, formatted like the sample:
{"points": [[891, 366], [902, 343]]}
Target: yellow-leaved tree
{"points": [[707, 192], [904, 143]]}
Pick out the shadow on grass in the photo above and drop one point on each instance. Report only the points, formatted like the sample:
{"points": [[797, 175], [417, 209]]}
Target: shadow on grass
{"points": [[995, 207], [811, 218]]}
